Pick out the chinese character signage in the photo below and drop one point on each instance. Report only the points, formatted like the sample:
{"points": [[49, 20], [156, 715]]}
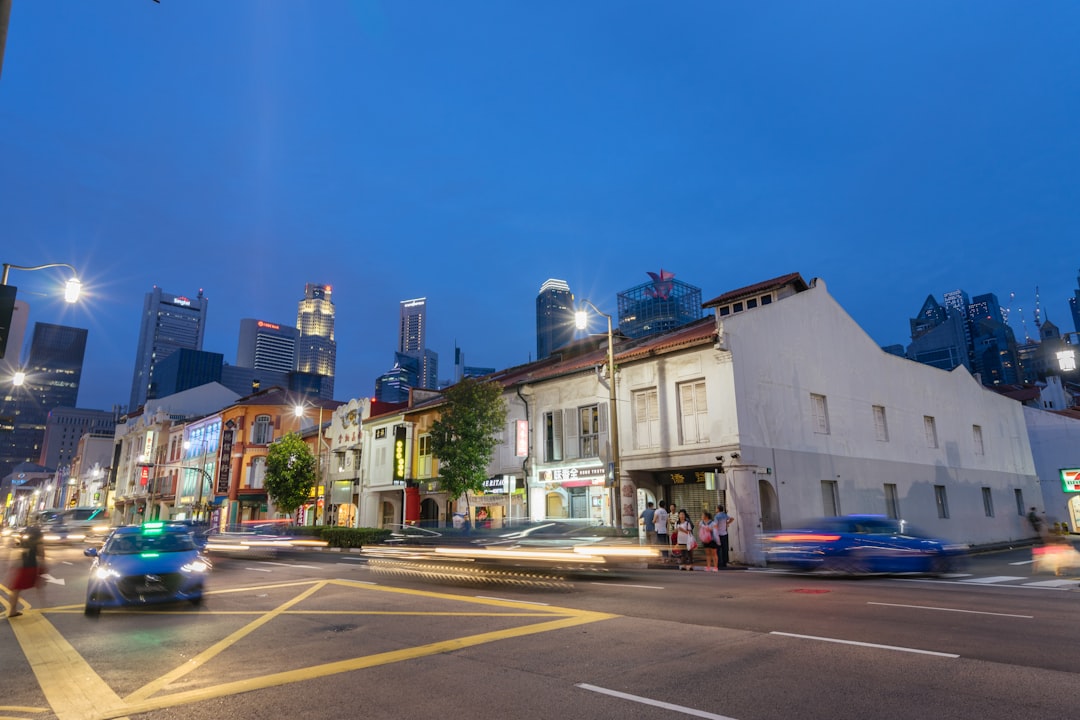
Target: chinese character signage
{"points": [[226, 462], [521, 445]]}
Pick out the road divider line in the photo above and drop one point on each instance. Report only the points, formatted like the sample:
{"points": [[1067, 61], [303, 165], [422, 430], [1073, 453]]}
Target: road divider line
{"points": [[865, 644], [643, 587], [217, 648], [258, 570], [520, 602], [1023, 562], [654, 703], [957, 610]]}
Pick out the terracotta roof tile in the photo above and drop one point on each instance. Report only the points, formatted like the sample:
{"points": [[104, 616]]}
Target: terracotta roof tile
{"points": [[758, 288]]}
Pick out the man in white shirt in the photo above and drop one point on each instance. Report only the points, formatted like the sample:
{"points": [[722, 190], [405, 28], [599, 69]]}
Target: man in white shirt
{"points": [[721, 521], [660, 522]]}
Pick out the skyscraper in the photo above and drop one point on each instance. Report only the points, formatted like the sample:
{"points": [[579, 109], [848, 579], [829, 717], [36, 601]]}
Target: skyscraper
{"points": [[169, 322], [317, 353], [1074, 305], [53, 371], [413, 326], [554, 317], [267, 346], [658, 306]]}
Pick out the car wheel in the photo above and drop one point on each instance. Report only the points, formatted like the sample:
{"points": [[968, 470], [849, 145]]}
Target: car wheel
{"points": [[196, 601], [91, 610]]}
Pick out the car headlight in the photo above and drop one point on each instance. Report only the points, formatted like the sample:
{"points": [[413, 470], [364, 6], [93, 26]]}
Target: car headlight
{"points": [[195, 566], [101, 529], [104, 573]]}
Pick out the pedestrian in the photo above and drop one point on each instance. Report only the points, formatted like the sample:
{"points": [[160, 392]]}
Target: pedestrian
{"points": [[707, 540], [673, 536], [721, 522], [648, 516], [660, 522], [28, 570], [1037, 524], [685, 537]]}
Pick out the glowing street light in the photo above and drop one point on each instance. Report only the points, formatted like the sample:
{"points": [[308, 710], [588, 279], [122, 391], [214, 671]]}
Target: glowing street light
{"points": [[581, 320], [72, 290]]}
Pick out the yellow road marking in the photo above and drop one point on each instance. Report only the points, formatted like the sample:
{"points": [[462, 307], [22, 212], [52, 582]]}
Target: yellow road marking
{"points": [[75, 692], [71, 687], [22, 709], [214, 650]]}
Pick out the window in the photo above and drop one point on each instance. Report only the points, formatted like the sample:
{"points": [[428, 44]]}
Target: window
{"points": [[693, 413], [589, 422], [892, 501], [766, 299], [646, 419], [256, 473], [1019, 501], [830, 497], [340, 457], [262, 432], [751, 303], [931, 433], [988, 502], [820, 411], [976, 436], [423, 452], [736, 307], [553, 436], [942, 501], [881, 426]]}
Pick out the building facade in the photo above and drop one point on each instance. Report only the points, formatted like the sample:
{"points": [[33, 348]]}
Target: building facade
{"points": [[267, 346], [168, 322], [317, 352]]}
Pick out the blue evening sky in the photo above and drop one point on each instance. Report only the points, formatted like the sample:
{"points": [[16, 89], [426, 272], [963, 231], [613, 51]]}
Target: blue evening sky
{"points": [[467, 151]]}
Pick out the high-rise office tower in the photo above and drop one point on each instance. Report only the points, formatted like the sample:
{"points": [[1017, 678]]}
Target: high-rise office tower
{"points": [[658, 306], [169, 322], [413, 327], [53, 370], [267, 346], [554, 317], [317, 352]]}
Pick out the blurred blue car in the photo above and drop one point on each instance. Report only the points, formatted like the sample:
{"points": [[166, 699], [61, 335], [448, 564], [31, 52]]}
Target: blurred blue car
{"points": [[859, 545], [141, 565]]}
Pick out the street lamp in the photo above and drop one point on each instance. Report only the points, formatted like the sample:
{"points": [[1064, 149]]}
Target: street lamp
{"points": [[1067, 358], [7, 295], [581, 320], [298, 412]]}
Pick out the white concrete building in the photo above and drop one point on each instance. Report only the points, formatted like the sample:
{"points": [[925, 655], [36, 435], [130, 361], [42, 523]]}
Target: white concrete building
{"points": [[806, 414], [1055, 446]]}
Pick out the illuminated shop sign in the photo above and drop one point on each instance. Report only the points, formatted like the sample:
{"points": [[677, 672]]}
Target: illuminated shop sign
{"points": [[567, 474], [182, 301], [521, 444], [271, 326], [1070, 479], [399, 453]]}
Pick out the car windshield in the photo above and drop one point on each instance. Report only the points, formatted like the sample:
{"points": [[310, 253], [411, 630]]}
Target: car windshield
{"points": [[135, 543]]}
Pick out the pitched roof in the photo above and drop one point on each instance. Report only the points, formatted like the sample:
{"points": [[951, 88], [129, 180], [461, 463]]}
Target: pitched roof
{"points": [[794, 279]]}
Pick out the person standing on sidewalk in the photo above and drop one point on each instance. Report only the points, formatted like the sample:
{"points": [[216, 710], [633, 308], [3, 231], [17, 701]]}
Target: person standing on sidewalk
{"points": [[685, 538], [648, 516], [660, 522], [721, 522]]}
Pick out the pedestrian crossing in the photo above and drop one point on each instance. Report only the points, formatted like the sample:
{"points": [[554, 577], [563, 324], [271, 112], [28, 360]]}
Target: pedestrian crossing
{"points": [[1010, 580]]}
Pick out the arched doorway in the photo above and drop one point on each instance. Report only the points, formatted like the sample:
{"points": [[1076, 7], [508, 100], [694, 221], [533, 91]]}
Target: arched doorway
{"points": [[770, 506], [429, 513], [555, 505]]}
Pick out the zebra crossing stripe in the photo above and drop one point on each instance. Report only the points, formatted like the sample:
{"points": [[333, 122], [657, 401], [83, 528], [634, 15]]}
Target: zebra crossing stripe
{"points": [[994, 579], [1051, 583]]}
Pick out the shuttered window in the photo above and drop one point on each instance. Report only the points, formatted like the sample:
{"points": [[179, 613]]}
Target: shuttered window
{"points": [[646, 419], [693, 413]]}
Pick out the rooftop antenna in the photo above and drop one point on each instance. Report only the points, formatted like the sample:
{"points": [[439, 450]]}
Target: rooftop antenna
{"points": [[1038, 310]]}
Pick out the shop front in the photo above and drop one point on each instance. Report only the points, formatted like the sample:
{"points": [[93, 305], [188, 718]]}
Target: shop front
{"points": [[501, 504], [693, 490], [572, 493]]}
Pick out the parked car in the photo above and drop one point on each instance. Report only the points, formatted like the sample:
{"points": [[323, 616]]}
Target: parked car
{"points": [[156, 562], [861, 544]]}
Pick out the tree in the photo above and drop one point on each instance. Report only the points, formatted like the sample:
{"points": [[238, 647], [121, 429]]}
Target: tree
{"points": [[290, 473], [466, 433]]}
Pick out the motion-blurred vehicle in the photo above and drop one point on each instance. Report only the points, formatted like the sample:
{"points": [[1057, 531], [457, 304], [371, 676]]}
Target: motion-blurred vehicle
{"points": [[74, 525], [415, 535], [861, 544], [260, 538], [156, 562], [1056, 556]]}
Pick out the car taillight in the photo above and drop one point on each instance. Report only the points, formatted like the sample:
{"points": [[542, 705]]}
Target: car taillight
{"points": [[804, 537]]}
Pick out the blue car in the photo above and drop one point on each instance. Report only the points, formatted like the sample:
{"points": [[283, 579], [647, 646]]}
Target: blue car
{"points": [[141, 565], [859, 545]]}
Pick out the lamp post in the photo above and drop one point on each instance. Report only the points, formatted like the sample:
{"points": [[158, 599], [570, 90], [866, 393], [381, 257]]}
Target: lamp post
{"points": [[299, 411], [1067, 358], [7, 295], [581, 320]]}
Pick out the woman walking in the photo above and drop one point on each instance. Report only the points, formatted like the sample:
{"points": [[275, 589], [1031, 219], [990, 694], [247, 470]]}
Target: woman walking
{"points": [[28, 570], [684, 530]]}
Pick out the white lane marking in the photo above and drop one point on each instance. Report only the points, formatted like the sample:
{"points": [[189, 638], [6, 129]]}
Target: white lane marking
{"points": [[953, 576], [354, 559], [615, 584], [360, 582], [65, 562], [523, 602], [969, 584], [943, 609], [258, 569], [348, 565], [305, 567], [1051, 583], [994, 579], [864, 644], [1023, 562], [655, 703]]}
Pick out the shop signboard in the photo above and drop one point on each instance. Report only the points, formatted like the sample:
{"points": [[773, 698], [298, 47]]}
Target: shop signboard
{"points": [[1070, 479]]}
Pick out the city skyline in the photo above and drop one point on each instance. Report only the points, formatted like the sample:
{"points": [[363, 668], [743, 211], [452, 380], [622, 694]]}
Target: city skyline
{"points": [[897, 151]]}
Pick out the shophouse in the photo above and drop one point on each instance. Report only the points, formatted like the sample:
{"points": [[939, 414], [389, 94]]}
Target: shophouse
{"points": [[1055, 446]]}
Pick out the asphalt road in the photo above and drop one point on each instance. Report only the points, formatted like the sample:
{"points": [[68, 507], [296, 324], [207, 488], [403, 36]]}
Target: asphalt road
{"points": [[325, 635]]}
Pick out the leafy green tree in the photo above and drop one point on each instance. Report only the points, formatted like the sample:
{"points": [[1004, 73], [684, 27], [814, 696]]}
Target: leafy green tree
{"points": [[466, 433], [290, 473]]}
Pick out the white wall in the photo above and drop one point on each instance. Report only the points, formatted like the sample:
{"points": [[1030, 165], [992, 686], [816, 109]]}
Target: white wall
{"points": [[1055, 444]]}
